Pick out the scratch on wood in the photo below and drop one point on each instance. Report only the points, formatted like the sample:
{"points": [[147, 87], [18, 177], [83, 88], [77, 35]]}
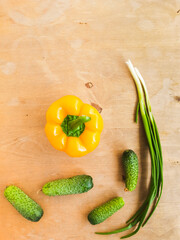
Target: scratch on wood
{"points": [[97, 107], [178, 11], [174, 163]]}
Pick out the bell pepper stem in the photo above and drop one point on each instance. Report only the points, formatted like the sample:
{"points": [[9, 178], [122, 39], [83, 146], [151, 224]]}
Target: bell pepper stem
{"points": [[73, 125]]}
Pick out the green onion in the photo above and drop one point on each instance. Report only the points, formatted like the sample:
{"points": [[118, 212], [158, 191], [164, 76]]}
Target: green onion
{"points": [[141, 217]]}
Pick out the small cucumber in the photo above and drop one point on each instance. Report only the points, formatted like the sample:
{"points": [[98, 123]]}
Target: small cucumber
{"points": [[73, 185], [101, 213], [130, 164], [23, 203]]}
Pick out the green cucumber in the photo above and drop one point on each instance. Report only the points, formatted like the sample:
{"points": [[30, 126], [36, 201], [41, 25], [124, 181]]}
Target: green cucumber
{"points": [[101, 213], [66, 186], [23, 203], [130, 164]]}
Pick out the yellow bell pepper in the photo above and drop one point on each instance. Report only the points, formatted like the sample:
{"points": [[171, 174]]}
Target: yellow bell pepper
{"points": [[73, 126]]}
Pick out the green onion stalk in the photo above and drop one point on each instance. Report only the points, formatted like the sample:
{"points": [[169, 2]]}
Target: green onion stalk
{"points": [[143, 214]]}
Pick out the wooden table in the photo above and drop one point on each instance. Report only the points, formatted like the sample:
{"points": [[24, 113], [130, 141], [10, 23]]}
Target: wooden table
{"points": [[49, 49]]}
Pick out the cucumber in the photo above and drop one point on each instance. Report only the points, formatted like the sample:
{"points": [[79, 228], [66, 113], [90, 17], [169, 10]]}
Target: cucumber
{"points": [[101, 213], [130, 164], [23, 203], [73, 185]]}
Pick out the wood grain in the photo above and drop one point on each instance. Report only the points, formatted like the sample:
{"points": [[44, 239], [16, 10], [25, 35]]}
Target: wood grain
{"points": [[52, 48]]}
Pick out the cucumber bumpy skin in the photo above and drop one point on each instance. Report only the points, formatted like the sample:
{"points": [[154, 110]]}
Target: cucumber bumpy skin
{"points": [[130, 164], [73, 185], [23, 203], [101, 213]]}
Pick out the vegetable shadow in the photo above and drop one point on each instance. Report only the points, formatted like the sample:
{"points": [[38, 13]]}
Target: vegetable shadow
{"points": [[121, 173]]}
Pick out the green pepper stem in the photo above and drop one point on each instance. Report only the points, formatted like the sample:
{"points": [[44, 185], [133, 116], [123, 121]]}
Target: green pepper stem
{"points": [[73, 125]]}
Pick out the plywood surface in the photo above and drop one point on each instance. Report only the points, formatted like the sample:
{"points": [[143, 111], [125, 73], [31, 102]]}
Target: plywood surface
{"points": [[52, 48]]}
